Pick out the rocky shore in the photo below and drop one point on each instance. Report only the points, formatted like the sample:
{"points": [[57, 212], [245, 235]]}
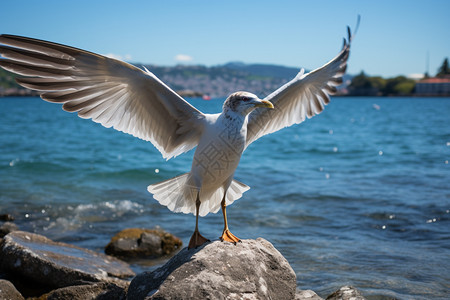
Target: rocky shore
{"points": [[35, 267]]}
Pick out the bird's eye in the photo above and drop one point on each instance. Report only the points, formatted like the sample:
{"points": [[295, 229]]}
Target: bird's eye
{"points": [[245, 99]]}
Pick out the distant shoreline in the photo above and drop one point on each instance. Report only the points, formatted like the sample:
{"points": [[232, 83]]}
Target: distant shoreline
{"points": [[19, 92], [14, 92], [200, 95]]}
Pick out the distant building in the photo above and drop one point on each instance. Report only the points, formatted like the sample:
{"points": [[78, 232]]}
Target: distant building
{"points": [[436, 86]]}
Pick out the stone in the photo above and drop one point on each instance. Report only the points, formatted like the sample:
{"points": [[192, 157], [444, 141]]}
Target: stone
{"points": [[56, 264], [252, 269], [151, 241], [346, 293], [7, 227], [28, 288], [98, 291], [307, 295], [6, 217], [8, 291], [142, 243]]}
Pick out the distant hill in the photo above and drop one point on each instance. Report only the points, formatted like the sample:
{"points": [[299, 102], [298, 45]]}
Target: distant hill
{"points": [[197, 80], [222, 80], [9, 87], [264, 70]]}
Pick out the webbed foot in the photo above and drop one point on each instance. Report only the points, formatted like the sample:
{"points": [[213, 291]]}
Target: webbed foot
{"points": [[197, 240], [229, 237]]}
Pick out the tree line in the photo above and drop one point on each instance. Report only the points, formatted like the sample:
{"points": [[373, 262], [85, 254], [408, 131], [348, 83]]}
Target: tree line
{"points": [[364, 85]]}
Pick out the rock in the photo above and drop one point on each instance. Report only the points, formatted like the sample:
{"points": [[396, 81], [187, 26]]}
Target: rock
{"points": [[28, 288], [8, 291], [346, 293], [137, 242], [253, 269], [306, 295], [7, 227], [6, 217], [98, 291], [54, 264]]}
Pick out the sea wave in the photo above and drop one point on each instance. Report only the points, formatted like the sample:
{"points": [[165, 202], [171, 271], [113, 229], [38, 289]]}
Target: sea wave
{"points": [[355, 194]]}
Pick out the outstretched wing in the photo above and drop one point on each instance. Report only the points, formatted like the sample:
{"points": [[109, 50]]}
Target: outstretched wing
{"points": [[302, 97], [106, 90]]}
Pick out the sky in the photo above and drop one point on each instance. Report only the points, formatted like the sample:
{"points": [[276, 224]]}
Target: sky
{"points": [[395, 37]]}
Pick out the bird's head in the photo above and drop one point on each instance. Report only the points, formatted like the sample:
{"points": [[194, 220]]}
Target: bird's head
{"points": [[244, 103]]}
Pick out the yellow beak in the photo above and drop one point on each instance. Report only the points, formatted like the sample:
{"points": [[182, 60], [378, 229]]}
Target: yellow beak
{"points": [[264, 103]]}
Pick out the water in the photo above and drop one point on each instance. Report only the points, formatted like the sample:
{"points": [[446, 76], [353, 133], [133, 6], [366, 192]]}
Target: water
{"points": [[357, 195]]}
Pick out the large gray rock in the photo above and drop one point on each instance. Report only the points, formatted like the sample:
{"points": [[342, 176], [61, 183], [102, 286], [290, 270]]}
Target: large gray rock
{"points": [[56, 264], [253, 269]]}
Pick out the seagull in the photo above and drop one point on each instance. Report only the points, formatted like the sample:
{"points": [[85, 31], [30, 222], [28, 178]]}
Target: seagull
{"points": [[133, 100]]}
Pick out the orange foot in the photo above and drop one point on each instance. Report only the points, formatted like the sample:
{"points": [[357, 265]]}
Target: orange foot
{"points": [[229, 237], [197, 240]]}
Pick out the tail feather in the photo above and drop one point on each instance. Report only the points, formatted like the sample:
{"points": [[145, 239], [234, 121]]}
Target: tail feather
{"points": [[235, 191], [179, 196], [172, 193]]}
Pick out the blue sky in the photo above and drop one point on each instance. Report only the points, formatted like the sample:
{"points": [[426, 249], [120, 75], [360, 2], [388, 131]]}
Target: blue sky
{"points": [[394, 37]]}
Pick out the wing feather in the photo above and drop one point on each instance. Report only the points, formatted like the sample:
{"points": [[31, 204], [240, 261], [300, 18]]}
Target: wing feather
{"points": [[46, 84], [108, 91], [303, 97]]}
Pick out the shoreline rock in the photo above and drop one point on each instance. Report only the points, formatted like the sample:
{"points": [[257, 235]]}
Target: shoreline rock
{"points": [[9, 291], [143, 243], [6, 217], [346, 293], [32, 265], [6, 228], [253, 269], [56, 265], [307, 295], [98, 291]]}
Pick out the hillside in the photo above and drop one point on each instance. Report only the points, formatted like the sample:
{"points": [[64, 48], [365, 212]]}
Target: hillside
{"points": [[197, 80]]}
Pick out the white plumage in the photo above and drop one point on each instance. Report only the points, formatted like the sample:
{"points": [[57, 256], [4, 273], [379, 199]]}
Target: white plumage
{"points": [[119, 95]]}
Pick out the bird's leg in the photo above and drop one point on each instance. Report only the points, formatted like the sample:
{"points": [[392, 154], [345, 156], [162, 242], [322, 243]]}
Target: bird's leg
{"points": [[197, 239], [227, 235]]}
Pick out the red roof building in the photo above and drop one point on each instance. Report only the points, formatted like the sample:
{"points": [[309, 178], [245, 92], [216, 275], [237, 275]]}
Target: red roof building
{"points": [[436, 86]]}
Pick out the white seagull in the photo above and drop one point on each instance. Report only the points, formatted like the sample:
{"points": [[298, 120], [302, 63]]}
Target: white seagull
{"points": [[119, 95]]}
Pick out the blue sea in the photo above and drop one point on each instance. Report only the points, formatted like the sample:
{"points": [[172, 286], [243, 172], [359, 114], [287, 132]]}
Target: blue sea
{"points": [[358, 195]]}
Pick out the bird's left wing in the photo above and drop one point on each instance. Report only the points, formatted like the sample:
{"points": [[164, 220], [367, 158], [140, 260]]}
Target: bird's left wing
{"points": [[302, 97], [108, 91]]}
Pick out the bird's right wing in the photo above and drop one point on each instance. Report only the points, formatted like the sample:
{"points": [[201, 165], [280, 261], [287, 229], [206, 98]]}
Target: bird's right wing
{"points": [[108, 91], [302, 97]]}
